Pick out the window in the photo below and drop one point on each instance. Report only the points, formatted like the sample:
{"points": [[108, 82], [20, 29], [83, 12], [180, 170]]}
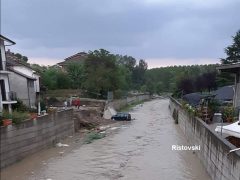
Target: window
{"points": [[30, 83], [3, 90]]}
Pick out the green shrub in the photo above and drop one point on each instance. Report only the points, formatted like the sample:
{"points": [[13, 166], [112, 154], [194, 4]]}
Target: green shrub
{"points": [[93, 136], [43, 105], [228, 113], [19, 106], [16, 116]]}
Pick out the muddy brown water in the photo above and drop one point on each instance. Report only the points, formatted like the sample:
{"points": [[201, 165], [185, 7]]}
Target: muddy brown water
{"points": [[140, 149]]}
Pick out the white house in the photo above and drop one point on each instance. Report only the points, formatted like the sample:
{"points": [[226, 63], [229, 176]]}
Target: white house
{"points": [[24, 80], [7, 97]]}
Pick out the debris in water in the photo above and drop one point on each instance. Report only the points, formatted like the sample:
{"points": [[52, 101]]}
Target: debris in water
{"points": [[61, 153], [103, 128], [114, 128], [61, 145]]}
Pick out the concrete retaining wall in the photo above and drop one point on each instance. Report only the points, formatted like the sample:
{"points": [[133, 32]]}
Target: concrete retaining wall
{"points": [[214, 149], [118, 104], [33, 135]]}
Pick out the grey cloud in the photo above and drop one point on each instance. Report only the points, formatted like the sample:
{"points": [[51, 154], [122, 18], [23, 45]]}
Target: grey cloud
{"points": [[176, 29]]}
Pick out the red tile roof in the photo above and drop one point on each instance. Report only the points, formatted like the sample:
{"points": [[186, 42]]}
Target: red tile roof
{"points": [[76, 58]]}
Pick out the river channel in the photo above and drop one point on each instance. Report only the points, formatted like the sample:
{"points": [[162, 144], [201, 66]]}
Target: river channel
{"points": [[136, 150]]}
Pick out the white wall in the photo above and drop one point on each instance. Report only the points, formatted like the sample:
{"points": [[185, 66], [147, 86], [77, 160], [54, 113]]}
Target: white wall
{"points": [[29, 72], [3, 53]]}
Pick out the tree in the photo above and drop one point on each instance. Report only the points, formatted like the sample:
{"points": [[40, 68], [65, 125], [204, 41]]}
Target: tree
{"points": [[76, 74], [63, 80], [101, 73], [54, 78], [186, 85], [138, 76], [25, 58], [128, 61], [18, 55], [233, 51]]}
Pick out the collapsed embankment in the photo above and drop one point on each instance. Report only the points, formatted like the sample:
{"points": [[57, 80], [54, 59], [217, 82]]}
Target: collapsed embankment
{"points": [[93, 113], [214, 153]]}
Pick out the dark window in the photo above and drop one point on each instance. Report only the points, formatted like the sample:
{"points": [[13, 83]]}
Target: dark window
{"points": [[3, 90], [30, 83]]}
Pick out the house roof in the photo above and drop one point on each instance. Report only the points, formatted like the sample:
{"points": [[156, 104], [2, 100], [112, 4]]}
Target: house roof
{"points": [[21, 74], [12, 60], [76, 58], [225, 93], [232, 68], [7, 40], [194, 98]]}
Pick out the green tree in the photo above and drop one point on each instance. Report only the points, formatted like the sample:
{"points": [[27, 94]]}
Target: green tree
{"points": [[63, 80], [128, 61], [54, 78], [76, 74], [101, 73], [233, 51], [138, 75], [25, 58], [18, 55]]}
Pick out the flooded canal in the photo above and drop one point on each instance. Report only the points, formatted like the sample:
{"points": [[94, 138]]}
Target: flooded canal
{"points": [[140, 149]]}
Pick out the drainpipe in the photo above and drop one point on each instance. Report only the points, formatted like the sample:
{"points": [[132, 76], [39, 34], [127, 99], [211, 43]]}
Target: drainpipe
{"points": [[1, 106], [28, 93]]}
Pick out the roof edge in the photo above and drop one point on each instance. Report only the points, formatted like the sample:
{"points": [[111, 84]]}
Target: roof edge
{"points": [[7, 39]]}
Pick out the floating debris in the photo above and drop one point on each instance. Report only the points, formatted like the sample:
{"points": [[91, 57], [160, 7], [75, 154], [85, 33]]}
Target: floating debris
{"points": [[61, 153], [61, 145], [103, 128], [114, 128]]}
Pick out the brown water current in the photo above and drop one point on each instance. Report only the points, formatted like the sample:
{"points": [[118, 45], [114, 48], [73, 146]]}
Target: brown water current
{"points": [[140, 149]]}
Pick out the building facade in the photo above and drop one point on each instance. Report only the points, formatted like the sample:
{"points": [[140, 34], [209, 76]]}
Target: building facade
{"points": [[23, 80], [7, 96]]}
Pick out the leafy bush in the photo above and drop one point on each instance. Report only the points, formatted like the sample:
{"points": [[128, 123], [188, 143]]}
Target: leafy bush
{"points": [[19, 106], [43, 105], [17, 117], [228, 113], [93, 136], [191, 110]]}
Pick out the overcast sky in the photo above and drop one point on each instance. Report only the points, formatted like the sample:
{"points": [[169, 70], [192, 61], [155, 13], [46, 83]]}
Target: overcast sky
{"points": [[163, 32]]}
